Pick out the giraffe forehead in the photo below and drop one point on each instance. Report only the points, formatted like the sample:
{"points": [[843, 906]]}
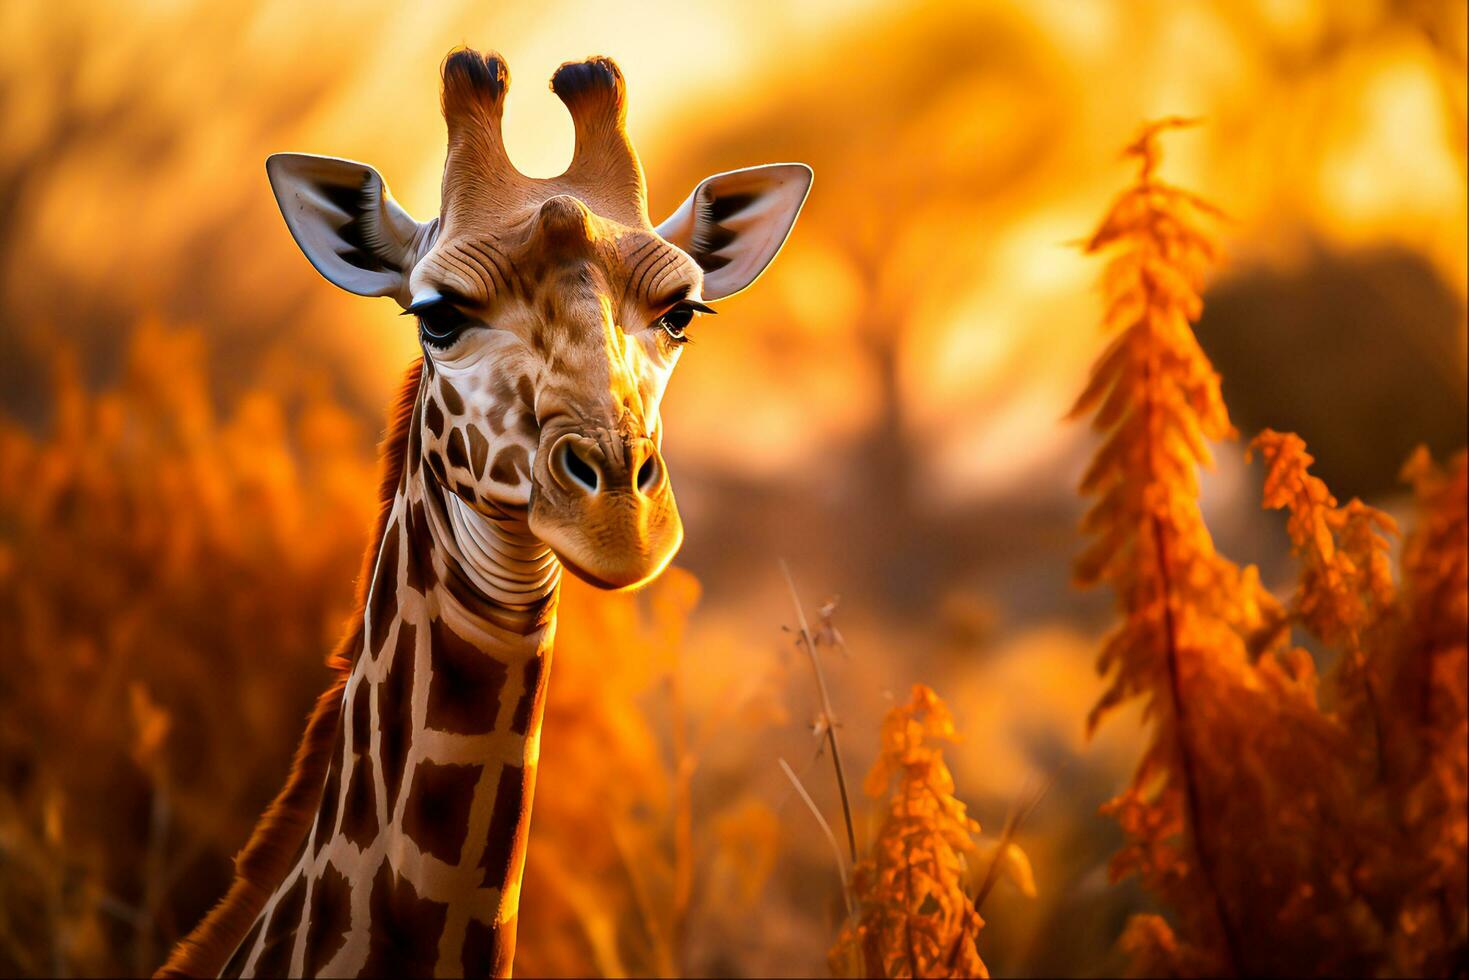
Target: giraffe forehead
{"points": [[545, 256]]}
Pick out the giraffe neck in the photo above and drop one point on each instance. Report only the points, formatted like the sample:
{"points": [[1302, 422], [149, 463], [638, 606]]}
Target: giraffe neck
{"points": [[414, 862]]}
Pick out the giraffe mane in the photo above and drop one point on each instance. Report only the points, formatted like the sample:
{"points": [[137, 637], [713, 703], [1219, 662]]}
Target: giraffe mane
{"points": [[280, 833]]}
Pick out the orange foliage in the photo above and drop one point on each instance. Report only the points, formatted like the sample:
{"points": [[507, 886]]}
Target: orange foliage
{"points": [[1342, 589], [602, 872], [1271, 827], [171, 578], [1184, 635], [1346, 575], [914, 917], [1402, 679], [1420, 663]]}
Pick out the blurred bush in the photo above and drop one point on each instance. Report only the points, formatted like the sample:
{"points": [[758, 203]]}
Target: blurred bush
{"points": [[170, 579]]}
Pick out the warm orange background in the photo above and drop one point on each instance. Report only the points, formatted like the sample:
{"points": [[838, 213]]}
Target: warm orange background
{"points": [[188, 415]]}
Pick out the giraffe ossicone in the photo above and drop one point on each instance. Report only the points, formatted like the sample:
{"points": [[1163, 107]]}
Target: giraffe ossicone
{"points": [[551, 313]]}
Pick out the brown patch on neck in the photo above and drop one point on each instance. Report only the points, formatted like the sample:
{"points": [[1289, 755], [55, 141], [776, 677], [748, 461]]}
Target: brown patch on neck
{"points": [[277, 840]]}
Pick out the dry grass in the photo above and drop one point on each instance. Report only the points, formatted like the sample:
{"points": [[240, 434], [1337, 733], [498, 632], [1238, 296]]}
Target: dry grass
{"points": [[170, 581], [914, 914], [1287, 834]]}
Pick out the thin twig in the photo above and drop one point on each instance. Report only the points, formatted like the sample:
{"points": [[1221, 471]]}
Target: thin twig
{"points": [[836, 849], [828, 716], [1021, 809]]}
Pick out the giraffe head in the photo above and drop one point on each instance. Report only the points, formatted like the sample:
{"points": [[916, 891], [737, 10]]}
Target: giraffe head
{"points": [[551, 311]]}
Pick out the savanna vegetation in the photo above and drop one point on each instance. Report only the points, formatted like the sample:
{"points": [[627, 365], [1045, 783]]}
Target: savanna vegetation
{"points": [[906, 781]]}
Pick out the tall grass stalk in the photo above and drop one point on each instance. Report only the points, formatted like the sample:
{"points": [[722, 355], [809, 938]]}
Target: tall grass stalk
{"points": [[828, 717]]}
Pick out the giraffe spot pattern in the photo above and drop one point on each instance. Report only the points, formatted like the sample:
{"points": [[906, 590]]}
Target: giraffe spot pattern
{"points": [[479, 450], [457, 452], [453, 404], [525, 707], [280, 935], [326, 818], [436, 463], [508, 462], [436, 816], [465, 686], [359, 818], [236, 966], [404, 941], [504, 821], [415, 439], [331, 918], [502, 390], [395, 712], [361, 719], [382, 606], [434, 416], [419, 572], [482, 950]]}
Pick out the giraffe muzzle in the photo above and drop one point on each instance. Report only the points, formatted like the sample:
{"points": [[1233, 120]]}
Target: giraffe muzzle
{"points": [[581, 465], [605, 507]]}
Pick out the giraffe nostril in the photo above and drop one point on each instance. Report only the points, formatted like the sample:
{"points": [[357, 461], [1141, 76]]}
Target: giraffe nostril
{"points": [[579, 469], [648, 473]]}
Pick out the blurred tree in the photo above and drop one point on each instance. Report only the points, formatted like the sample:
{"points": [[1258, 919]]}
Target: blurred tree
{"points": [[917, 127], [95, 140], [1357, 352]]}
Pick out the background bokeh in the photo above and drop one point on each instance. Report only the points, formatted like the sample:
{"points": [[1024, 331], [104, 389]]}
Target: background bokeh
{"points": [[187, 416]]}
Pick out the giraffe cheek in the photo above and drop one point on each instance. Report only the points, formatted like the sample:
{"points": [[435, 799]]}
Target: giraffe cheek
{"points": [[507, 473]]}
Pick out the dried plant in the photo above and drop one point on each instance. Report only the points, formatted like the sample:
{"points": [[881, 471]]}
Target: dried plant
{"points": [[826, 723], [171, 577], [914, 917], [1417, 660], [1400, 680], [1275, 829], [1157, 403], [1346, 575]]}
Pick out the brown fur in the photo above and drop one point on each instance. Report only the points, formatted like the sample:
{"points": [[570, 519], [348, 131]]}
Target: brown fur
{"points": [[277, 839], [474, 82]]}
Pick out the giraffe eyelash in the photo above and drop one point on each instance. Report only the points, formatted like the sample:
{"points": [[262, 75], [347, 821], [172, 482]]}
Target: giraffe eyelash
{"points": [[676, 320], [440, 322]]}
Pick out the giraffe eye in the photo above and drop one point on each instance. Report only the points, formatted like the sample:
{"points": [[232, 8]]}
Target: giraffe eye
{"points": [[440, 322], [676, 321]]}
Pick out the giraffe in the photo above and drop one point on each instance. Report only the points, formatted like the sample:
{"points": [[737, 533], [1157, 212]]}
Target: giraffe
{"points": [[526, 440]]}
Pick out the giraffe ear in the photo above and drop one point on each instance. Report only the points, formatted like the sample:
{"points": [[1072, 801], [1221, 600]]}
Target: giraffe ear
{"points": [[349, 226], [734, 223]]}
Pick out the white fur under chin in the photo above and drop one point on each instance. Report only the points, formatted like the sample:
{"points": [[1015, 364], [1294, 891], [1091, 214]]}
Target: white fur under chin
{"points": [[502, 559]]}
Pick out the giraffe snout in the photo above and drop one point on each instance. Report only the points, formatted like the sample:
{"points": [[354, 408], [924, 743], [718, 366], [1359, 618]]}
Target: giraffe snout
{"points": [[584, 466], [604, 504]]}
